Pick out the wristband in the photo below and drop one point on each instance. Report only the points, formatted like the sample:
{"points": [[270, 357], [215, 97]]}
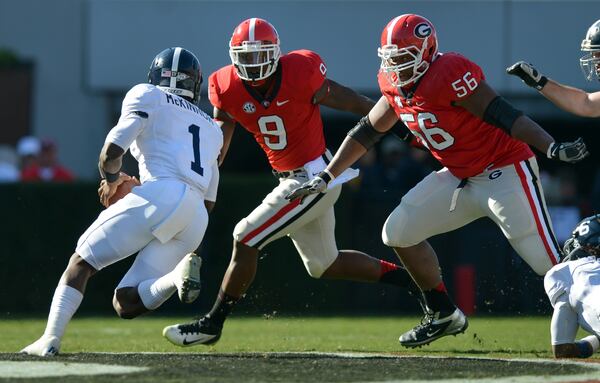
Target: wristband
{"points": [[326, 176], [585, 348], [542, 83], [111, 177]]}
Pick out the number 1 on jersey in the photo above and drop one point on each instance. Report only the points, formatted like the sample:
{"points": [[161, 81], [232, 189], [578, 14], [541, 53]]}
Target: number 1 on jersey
{"points": [[196, 166]]}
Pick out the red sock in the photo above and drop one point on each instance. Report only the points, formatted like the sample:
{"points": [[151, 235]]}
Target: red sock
{"points": [[386, 267], [441, 288]]}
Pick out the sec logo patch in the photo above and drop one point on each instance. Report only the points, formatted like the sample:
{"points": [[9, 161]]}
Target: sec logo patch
{"points": [[249, 107]]}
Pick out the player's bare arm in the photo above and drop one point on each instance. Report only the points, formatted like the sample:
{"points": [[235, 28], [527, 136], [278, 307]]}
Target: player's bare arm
{"points": [[568, 98], [340, 97], [110, 166], [486, 104], [227, 125], [572, 99], [363, 136], [359, 140]]}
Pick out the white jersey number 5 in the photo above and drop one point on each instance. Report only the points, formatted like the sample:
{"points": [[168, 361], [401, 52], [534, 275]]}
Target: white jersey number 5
{"points": [[435, 136]]}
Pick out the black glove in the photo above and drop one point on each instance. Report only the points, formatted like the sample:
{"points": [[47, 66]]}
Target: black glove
{"points": [[315, 186], [528, 74], [568, 151]]}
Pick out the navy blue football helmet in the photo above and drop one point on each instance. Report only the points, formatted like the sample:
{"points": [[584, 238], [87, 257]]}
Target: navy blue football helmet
{"points": [[177, 70], [584, 241], [590, 63]]}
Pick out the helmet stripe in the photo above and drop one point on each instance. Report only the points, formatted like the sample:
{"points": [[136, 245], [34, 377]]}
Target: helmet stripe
{"points": [[175, 67], [390, 29], [251, 29]]}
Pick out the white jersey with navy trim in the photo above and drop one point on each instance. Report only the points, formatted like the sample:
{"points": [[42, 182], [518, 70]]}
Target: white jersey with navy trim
{"points": [[168, 136], [574, 278]]}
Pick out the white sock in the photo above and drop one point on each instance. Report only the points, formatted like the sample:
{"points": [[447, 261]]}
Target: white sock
{"points": [[154, 292], [65, 302]]}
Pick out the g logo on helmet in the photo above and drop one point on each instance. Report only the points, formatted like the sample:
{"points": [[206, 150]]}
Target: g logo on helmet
{"points": [[423, 30]]}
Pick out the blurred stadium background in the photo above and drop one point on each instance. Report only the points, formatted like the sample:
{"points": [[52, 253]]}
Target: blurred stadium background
{"points": [[66, 64]]}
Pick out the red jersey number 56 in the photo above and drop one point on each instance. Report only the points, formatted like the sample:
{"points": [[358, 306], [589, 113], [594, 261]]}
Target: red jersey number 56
{"points": [[432, 136]]}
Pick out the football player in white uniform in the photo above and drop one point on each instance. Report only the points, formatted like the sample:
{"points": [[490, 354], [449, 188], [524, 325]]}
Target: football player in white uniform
{"points": [[571, 99], [176, 146], [573, 287]]}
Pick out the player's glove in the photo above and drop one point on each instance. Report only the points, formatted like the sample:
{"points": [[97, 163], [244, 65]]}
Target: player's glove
{"points": [[528, 74], [568, 151], [315, 186]]}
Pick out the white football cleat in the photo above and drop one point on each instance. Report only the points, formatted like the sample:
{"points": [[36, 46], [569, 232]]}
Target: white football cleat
{"points": [[187, 278], [47, 345], [202, 331]]}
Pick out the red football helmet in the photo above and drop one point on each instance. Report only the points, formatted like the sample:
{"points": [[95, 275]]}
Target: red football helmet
{"points": [[254, 49], [408, 46]]}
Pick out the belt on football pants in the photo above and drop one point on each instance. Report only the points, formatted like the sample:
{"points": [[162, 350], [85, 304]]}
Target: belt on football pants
{"points": [[296, 172]]}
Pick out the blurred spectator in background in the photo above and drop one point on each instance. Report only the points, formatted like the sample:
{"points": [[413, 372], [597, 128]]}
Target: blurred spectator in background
{"points": [[28, 149], [46, 168], [9, 164], [395, 174]]}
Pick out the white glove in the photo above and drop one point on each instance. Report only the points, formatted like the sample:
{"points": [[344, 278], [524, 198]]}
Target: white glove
{"points": [[568, 151], [315, 186]]}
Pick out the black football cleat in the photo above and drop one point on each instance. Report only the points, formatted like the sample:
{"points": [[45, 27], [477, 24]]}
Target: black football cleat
{"points": [[433, 327]]}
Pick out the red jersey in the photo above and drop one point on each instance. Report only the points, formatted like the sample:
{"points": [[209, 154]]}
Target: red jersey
{"points": [[462, 142], [286, 123]]}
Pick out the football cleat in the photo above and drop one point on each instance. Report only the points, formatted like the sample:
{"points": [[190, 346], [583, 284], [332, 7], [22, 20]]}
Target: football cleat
{"points": [[45, 346], [433, 327], [202, 331], [187, 278]]}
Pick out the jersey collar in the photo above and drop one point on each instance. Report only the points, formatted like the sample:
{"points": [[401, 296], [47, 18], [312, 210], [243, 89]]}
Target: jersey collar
{"points": [[271, 94]]}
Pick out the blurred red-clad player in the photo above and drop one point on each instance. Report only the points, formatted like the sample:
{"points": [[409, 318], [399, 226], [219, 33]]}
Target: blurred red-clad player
{"points": [[489, 170], [276, 98], [46, 166]]}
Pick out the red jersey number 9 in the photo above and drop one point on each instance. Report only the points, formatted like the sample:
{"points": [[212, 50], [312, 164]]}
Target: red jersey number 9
{"points": [[273, 131]]}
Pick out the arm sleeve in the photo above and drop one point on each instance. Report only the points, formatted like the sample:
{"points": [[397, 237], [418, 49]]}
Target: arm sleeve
{"points": [[459, 80], [211, 192], [564, 325]]}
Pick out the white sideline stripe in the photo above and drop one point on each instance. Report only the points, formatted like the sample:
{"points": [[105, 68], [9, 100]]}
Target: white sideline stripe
{"points": [[39, 369], [592, 375]]}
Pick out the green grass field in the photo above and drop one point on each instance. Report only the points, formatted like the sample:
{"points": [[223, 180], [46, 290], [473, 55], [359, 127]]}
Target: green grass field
{"points": [[247, 344]]}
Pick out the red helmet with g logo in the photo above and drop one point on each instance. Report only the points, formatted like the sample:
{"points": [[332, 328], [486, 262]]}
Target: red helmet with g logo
{"points": [[254, 49], [408, 46]]}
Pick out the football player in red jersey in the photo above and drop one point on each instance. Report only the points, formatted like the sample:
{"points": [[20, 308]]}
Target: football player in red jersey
{"points": [[489, 170], [276, 98], [568, 98]]}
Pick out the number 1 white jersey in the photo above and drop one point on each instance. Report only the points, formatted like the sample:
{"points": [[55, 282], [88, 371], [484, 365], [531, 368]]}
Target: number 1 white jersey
{"points": [[169, 137]]}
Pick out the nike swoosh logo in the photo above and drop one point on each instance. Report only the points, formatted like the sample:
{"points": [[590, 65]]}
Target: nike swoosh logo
{"points": [[186, 343], [282, 102], [430, 334], [419, 103]]}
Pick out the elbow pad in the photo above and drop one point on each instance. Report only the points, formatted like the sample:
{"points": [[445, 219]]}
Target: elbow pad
{"points": [[501, 114], [365, 133]]}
